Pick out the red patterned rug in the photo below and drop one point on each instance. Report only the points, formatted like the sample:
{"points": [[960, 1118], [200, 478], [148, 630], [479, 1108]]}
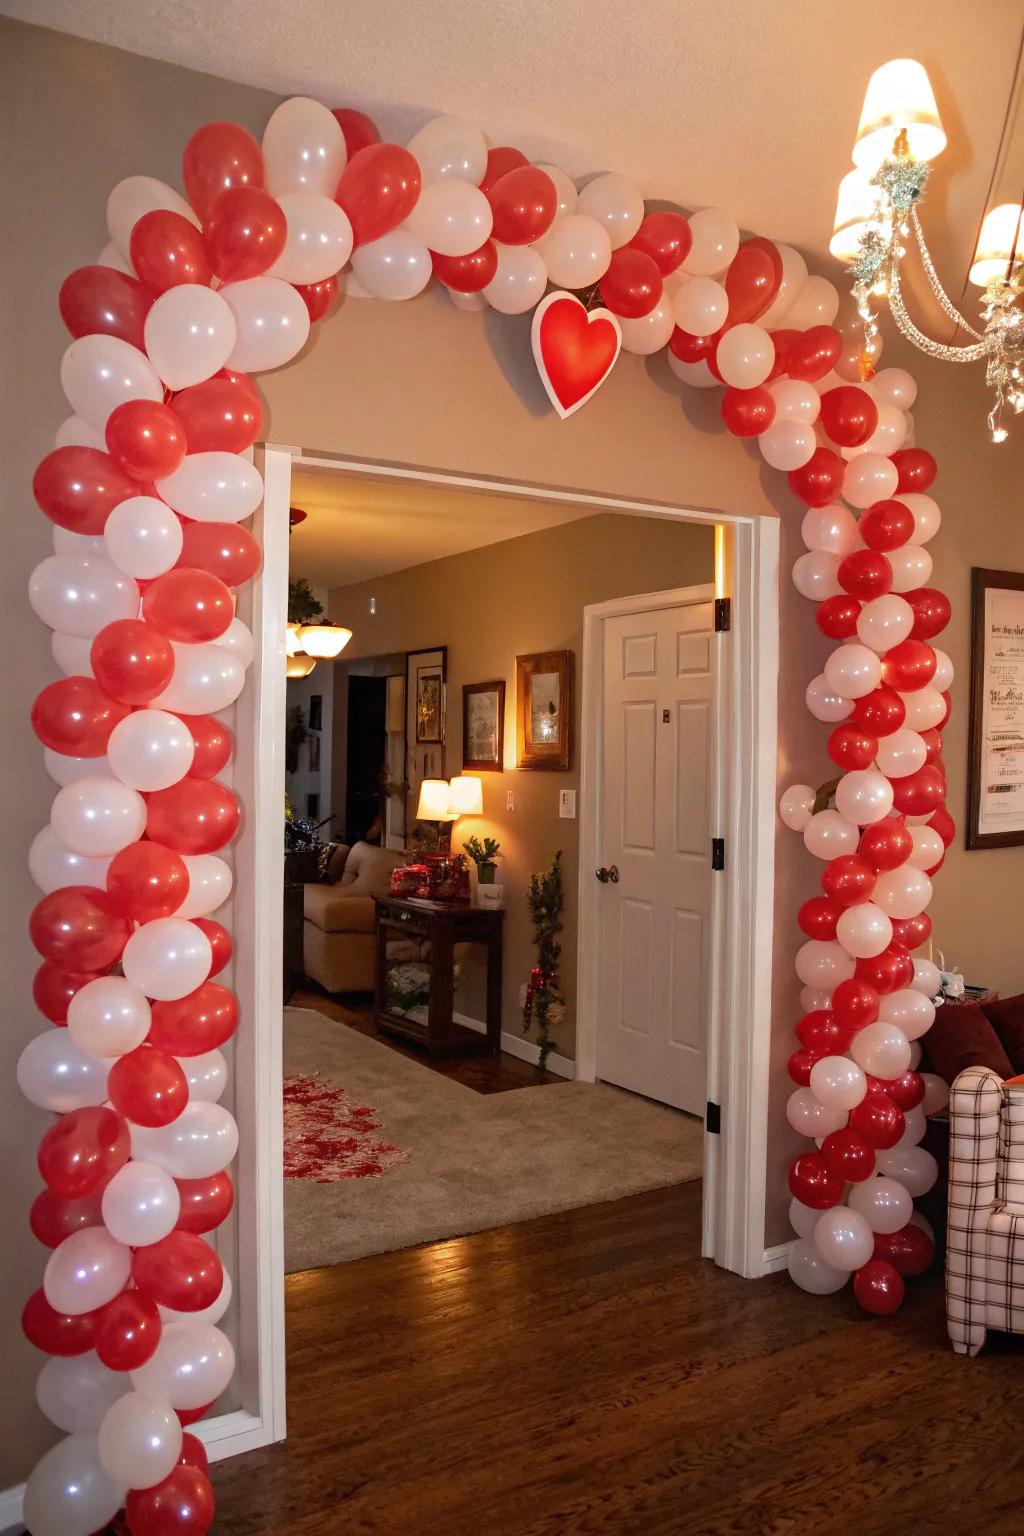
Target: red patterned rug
{"points": [[326, 1137]]}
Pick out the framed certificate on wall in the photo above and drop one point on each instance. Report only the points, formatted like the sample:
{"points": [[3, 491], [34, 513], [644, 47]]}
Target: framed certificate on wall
{"points": [[996, 742]]}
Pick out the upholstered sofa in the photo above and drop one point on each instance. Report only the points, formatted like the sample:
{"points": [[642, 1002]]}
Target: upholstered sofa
{"points": [[338, 926]]}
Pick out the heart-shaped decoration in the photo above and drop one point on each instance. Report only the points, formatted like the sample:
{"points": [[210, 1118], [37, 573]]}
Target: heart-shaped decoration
{"points": [[575, 350]]}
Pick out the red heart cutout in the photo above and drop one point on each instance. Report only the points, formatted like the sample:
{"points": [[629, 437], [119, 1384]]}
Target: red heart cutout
{"points": [[574, 350]]}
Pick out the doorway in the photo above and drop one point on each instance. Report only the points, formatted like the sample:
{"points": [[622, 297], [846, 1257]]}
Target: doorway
{"points": [[365, 758]]}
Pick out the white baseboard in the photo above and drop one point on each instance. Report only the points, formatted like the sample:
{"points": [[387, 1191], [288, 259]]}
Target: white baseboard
{"points": [[776, 1258], [11, 1501], [526, 1050]]}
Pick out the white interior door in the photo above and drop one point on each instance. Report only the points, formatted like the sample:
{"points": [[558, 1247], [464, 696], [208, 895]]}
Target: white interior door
{"points": [[656, 806]]}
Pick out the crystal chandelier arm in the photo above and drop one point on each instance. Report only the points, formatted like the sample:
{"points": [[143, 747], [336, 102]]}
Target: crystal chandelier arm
{"points": [[969, 354], [945, 303]]}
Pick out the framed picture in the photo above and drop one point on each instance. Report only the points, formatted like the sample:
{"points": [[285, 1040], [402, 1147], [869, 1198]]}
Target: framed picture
{"points": [[544, 710], [316, 711], [314, 754], [995, 793], [483, 725], [426, 675]]}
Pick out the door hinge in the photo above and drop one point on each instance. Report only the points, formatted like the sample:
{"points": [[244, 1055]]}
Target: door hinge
{"points": [[718, 853], [723, 614], [713, 1118]]}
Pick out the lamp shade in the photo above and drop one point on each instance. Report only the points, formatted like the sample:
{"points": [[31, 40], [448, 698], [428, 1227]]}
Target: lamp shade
{"points": [[899, 97], [466, 797], [854, 207], [999, 244], [299, 665], [434, 801], [324, 641]]}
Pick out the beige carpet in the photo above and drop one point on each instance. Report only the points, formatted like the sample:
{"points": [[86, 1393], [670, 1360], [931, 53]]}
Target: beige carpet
{"points": [[474, 1160]]}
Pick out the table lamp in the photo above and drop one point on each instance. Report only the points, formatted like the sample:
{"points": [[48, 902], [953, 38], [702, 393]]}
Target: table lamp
{"points": [[444, 802]]}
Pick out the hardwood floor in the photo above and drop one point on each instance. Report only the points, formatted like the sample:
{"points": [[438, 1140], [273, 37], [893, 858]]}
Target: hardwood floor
{"points": [[587, 1374], [487, 1074]]}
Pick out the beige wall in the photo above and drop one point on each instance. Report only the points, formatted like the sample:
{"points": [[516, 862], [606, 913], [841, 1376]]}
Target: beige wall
{"points": [[423, 384], [488, 606]]}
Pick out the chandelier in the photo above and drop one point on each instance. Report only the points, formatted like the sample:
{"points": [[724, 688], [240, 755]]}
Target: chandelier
{"points": [[877, 220]]}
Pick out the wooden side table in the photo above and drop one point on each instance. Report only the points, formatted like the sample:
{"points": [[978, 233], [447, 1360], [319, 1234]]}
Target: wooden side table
{"points": [[441, 925]]}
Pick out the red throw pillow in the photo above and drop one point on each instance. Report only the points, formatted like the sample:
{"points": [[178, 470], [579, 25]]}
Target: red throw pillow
{"points": [[962, 1037], [1006, 1016]]}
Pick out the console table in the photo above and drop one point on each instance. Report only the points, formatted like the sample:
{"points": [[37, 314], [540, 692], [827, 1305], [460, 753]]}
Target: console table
{"points": [[440, 925]]}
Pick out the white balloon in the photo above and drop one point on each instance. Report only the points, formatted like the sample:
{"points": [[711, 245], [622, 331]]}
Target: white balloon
{"points": [[474, 303], [55, 1074], [131, 199], [397, 266], [139, 1441], [715, 241], [565, 188], [902, 892], [852, 671], [237, 639], [450, 146], [165, 959], [936, 1094], [913, 1167], [914, 1126], [73, 432], [207, 1077], [796, 805], [68, 1493], [843, 1238], [576, 251], [814, 574], [928, 847], [804, 1218], [869, 478], [98, 373], [823, 963], [617, 203], [827, 835], [837, 1081], [215, 487], [142, 536], [200, 1142], [698, 375], [809, 1117], [209, 885], [901, 753], [881, 1049], [81, 594], [67, 543], [787, 444], [75, 1391], [910, 1010], [85, 1271], [927, 978], [911, 567], [108, 1017], [925, 708], [794, 400], [141, 1204], [98, 817], [884, 621], [926, 514], [894, 386], [794, 275], [883, 1202], [519, 280], [817, 303], [890, 434], [451, 217], [701, 306], [864, 796], [72, 653], [110, 256], [651, 332], [864, 930], [745, 356], [319, 239], [944, 673], [211, 1314], [189, 333], [303, 148], [809, 1271], [271, 323], [192, 1365], [207, 678], [52, 864], [833, 529], [150, 749], [813, 998], [65, 770]]}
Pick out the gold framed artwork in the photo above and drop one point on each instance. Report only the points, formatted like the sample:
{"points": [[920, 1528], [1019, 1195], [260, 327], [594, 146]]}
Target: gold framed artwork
{"points": [[483, 726], [544, 710], [426, 675]]}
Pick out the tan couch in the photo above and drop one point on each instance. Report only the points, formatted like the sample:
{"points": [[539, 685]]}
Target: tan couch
{"points": [[338, 931]]}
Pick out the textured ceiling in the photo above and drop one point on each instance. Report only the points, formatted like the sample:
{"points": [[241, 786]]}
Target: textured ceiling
{"points": [[748, 103]]}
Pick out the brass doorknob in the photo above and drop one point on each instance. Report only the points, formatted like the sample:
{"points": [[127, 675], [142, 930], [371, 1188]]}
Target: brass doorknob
{"points": [[611, 873]]}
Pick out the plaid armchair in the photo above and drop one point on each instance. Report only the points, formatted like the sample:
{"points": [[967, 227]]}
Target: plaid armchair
{"points": [[985, 1254]]}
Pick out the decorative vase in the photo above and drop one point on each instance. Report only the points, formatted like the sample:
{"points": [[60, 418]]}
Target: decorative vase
{"points": [[490, 896], [485, 873]]}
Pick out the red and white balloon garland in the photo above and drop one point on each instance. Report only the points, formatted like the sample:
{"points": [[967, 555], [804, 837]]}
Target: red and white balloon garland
{"points": [[148, 487]]}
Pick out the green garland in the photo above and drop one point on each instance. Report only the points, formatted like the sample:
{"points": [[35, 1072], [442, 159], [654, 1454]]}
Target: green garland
{"points": [[545, 1001]]}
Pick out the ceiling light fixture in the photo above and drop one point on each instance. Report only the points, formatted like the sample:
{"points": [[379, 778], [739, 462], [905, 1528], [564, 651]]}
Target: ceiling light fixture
{"points": [[324, 640]]}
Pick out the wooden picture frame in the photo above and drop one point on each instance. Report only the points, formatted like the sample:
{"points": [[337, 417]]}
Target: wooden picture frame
{"points": [[316, 711], [995, 746], [544, 711], [483, 726], [426, 702]]}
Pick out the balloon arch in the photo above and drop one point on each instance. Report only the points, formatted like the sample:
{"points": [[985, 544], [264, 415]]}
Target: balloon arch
{"points": [[148, 488]]}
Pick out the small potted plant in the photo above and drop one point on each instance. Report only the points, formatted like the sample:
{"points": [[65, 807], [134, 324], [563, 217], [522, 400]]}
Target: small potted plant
{"points": [[485, 855]]}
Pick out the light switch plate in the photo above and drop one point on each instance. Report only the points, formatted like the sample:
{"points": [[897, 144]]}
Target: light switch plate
{"points": [[510, 803], [567, 804]]}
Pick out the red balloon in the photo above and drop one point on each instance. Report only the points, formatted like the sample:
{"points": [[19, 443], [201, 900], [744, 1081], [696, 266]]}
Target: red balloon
{"points": [[192, 1415], [56, 1332], [932, 744], [818, 917], [197, 1023], [865, 574], [500, 160], [53, 1217], [318, 297], [182, 1505], [800, 1064], [379, 188], [948, 701], [823, 1033], [877, 1286], [128, 1331], [147, 1086], [193, 816], [220, 942], [188, 605], [78, 928], [932, 611], [524, 203], [632, 285], [218, 158], [747, 412], [943, 823], [810, 354], [219, 414], [78, 488], [193, 1451], [886, 845], [244, 233], [359, 130], [222, 549], [906, 1091], [100, 301], [812, 1182], [753, 279], [837, 616], [849, 416], [167, 250], [467, 274], [886, 525], [75, 717], [53, 987], [145, 881], [692, 349], [145, 439], [877, 1120], [213, 745], [919, 793], [855, 1003], [666, 238], [82, 1152], [881, 711], [912, 932], [910, 1251], [848, 879], [782, 341], [132, 661], [851, 747], [180, 1271], [205, 1203], [908, 666], [848, 1156], [916, 469], [889, 971], [820, 480]]}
